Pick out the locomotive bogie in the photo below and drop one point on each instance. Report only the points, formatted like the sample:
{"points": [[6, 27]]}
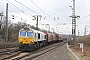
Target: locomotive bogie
{"points": [[26, 47]]}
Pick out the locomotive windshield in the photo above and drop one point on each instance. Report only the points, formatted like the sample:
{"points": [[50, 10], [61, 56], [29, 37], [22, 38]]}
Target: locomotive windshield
{"points": [[30, 34], [22, 33]]}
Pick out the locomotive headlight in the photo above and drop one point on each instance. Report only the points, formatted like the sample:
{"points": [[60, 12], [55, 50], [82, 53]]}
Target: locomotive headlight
{"points": [[31, 42], [20, 41]]}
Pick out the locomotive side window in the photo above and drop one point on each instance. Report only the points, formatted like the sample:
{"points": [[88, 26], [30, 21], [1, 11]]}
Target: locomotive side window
{"points": [[23, 33], [35, 34], [45, 37], [38, 35]]}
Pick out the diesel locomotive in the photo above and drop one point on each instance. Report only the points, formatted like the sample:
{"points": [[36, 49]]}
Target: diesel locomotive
{"points": [[30, 39]]}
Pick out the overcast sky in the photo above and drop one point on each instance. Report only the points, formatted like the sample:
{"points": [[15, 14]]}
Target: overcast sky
{"points": [[53, 12]]}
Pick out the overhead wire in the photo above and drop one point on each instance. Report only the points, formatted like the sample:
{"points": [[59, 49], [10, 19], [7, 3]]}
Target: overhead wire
{"points": [[43, 6], [32, 10], [86, 16], [40, 8], [12, 9], [19, 9], [46, 9], [26, 7], [49, 11], [9, 9]]}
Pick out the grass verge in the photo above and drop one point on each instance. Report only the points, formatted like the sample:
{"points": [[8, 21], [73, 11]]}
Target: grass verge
{"points": [[71, 56], [80, 55]]}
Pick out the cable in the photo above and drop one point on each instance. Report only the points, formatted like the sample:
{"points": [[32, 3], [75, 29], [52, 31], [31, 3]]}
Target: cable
{"points": [[40, 8], [25, 6], [85, 16], [44, 7], [49, 12], [12, 9], [18, 8], [35, 5]]}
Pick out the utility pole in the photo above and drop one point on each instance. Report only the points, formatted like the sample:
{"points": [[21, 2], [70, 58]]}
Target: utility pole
{"points": [[85, 30], [52, 29], [48, 27], [78, 33], [36, 18], [1, 14], [37, 23], [6, 22], [73, 22]]}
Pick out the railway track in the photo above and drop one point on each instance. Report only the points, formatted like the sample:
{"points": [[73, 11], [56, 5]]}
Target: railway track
{"points": [[38, 52], [9, 53], [6, 51]]}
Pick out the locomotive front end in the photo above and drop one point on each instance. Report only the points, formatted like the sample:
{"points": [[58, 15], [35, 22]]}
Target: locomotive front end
{"points": [[26, 39]]}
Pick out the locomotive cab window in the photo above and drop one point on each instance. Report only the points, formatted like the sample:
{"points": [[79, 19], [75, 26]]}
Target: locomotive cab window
{"points": [[23, 33], [30, 34]]}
